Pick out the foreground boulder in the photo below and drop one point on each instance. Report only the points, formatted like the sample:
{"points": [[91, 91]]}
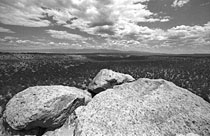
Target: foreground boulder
{"points": [[43, 106], [144, 108], [107, 79]]}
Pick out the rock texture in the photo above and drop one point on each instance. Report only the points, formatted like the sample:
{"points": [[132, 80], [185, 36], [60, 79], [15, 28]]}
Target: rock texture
{"points": [[66, 130], [43, 106], [144, 108], [5, 130], [189, 134], [1, 110], [107, 79]]}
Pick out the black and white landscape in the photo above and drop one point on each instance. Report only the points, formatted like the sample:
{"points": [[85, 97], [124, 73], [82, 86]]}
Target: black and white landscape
{"points": [[104, 68]]}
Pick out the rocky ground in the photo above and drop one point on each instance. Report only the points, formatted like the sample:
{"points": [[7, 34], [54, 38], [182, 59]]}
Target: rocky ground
{"points": [[114, 104]]}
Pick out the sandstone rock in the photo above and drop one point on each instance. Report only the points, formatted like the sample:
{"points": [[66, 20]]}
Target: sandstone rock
{"points": [[43, 106], [107, 79], [144, 108]]}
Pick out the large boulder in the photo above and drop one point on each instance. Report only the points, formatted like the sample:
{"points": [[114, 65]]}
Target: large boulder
{"points": [[43, 106], [107, 79], [144, 108]]}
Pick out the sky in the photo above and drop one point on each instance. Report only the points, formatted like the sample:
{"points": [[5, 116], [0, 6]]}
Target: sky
{"points": [[162, 26]]}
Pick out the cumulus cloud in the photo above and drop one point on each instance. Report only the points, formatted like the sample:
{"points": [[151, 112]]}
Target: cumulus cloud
{"points": [[133, 37], [21, 13], [82, 14], [188, 36], [10, 38], [11, 42], [113, 24], [179, 3], [64, 35], [108, 18], [28, 42], [4, 30], [138, 37]]}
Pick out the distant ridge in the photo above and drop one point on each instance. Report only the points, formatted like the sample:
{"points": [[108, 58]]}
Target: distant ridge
{"points": [[96, 51], [80, 51]]}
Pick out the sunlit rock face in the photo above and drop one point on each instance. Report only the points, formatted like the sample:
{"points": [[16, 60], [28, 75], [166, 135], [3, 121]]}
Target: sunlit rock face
{"points": [[107, 79], [43, 106], [149, 107]]}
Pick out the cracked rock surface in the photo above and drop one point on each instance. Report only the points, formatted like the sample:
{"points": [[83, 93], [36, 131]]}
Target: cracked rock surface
{"points": [[146, 107]]}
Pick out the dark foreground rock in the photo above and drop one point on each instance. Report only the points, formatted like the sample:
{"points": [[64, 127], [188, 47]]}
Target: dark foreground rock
{"points": [[5, 130], [144, 108], [68, 129], [107, 79], [43, 106], [1, 111]]}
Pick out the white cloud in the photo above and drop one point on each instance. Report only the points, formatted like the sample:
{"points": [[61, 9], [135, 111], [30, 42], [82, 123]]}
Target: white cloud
{"points": [[10, 38], [179, 3], [63, 44], [28, 42], [65, 35], [60, 16], [188, 36], [131, 36], [117, 21], [4, 30], [82, 14], [113, 15], [21, 13], [22, 41]]}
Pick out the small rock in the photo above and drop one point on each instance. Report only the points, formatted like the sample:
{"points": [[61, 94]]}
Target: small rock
{"points": [[43, 106], [107, 79]]}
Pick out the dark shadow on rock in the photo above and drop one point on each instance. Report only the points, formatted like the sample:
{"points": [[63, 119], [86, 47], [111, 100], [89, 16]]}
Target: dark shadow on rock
{"points": [[98, 90], [111, 84], [34, 132]]}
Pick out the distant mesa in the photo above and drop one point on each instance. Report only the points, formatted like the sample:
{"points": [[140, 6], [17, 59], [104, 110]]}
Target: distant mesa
{"points": [[125, 107]]}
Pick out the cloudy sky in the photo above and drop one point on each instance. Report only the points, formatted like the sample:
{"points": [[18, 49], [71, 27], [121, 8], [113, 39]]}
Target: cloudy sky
{"points": [[170, 26]]}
